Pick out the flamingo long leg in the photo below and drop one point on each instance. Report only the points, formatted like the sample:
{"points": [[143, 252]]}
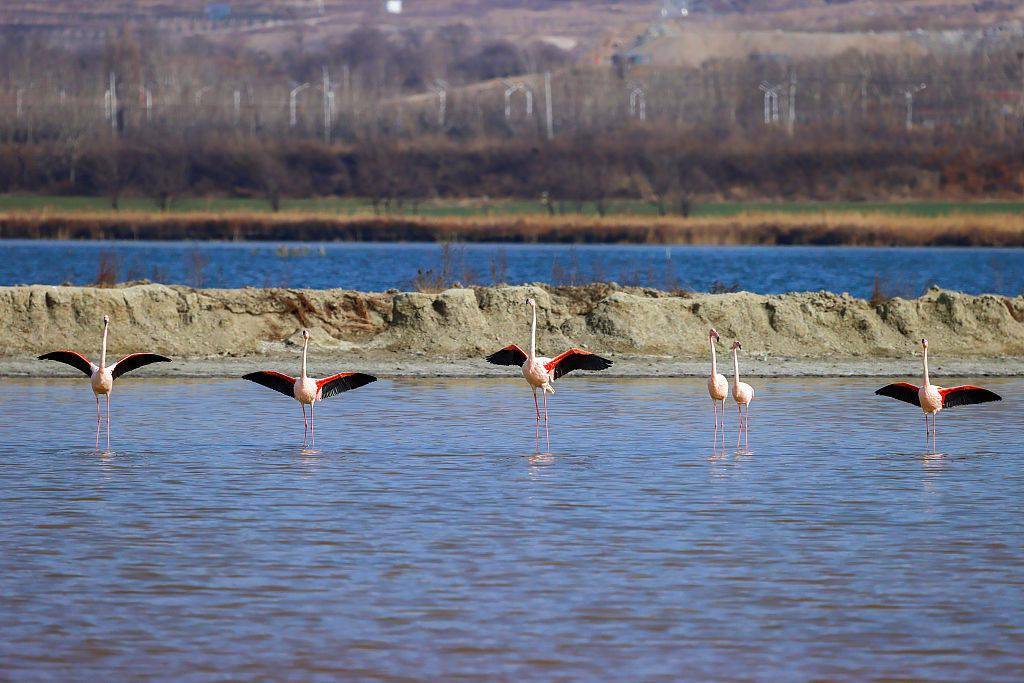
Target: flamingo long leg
{"points": [[536, 419], [305, 425], [312, 429], [739, 422], [98, 420], [547, 428], [934, 430], [108, 422], [746, 427]]}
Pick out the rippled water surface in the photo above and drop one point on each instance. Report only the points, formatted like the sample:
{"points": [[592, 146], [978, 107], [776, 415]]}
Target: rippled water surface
{"points": [[427, 539], [377, 267]]}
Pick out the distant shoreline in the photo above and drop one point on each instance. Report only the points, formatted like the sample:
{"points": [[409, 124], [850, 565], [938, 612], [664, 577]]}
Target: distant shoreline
{"points": [[766, 229]]}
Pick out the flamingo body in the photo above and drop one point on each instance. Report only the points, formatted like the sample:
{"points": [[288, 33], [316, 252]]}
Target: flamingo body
{"points": [[930, 398], [537, 374], [742, 393], [102, 381], [306, 391], [718, 387]]}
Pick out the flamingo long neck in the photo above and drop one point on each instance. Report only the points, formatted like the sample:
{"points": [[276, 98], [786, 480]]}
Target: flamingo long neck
{"points": [[714, 358], [103, 349], [736, 365], [533, 334], [305, 345], [927, 382]]}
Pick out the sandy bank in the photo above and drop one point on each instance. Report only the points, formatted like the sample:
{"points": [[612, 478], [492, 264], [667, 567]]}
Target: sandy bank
{"points": [[224, 332]]}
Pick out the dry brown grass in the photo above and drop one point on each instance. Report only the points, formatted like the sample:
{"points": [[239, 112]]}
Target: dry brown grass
{"points": [[850, 229]]}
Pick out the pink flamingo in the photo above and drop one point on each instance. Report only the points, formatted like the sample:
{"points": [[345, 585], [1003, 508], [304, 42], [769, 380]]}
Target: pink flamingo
{"points": [[307, 390], [100, 376], [541, 372], [931, 399], [718, 386], [743, 394]]}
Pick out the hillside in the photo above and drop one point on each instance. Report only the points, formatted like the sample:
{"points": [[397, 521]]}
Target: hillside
{"points": [[597, 28]]}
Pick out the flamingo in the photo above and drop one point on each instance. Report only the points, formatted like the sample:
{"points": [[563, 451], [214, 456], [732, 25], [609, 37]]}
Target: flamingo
{"points": [[100, 376], [743, 394], [541, 372], [307, 390], [931, 399], [718, 386]]}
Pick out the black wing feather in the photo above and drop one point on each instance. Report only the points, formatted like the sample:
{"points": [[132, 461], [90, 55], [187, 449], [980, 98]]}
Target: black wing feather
{"points": [[75, 360], [901, 391], [273, 380], [510, 355], [136, 361], [968, 396], [347, 382], [581, 360]]}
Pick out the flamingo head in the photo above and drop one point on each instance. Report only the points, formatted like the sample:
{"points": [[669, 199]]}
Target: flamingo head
{"points": [[924, 343], [736, 345], [714, 334], [305, 334], [531, 302], [106, 320]]}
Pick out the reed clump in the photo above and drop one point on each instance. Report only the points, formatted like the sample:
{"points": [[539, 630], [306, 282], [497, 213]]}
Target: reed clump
{"points": [[760, 228]]}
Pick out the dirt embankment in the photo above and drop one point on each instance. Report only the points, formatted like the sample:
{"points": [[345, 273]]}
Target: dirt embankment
{"points": [[455, 328]]}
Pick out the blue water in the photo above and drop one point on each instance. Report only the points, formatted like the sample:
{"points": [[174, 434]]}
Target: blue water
{"points": [[378, 267], [428, 540]]}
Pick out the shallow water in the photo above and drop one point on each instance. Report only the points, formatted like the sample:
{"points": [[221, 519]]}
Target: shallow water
{"points": [[377, 267], [427, 539]]}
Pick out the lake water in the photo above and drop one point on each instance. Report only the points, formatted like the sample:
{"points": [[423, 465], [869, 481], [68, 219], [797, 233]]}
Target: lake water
{"points": [[377, 267], [428, 540]]}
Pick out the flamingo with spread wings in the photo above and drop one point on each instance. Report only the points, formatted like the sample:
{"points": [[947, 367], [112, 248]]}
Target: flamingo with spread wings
{"points": [[541, 372], [931, 399], [100, 376], [307, 390]]}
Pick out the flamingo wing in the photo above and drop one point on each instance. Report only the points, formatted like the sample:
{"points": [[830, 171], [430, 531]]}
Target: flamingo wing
{"points": [[72, 358], [342, 382], [967, 395], [510, 355], [136, 361], [576, 359], [901, 391], [273, 380]]}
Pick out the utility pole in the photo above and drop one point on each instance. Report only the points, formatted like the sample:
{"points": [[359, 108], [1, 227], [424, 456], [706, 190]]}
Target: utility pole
{"points": [[638, 102], [1020, 105], [792, 102], [909, 93], [440, 89], [549, 115], [328, 103], [113, 103], [293, 117]]}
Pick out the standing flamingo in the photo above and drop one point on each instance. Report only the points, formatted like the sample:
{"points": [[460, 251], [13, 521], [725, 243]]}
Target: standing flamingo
{"points": [[541, 372], [743, 394], [931, 399], [718, 386], [307, 390], [101, 377]]}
